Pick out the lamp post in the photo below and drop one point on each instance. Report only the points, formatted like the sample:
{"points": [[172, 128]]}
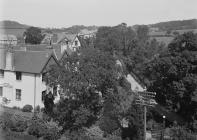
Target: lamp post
{"points": [[163, 127]]}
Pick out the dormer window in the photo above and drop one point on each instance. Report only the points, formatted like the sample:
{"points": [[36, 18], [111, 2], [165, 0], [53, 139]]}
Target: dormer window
{"points": [[18, 75], [66, 42]]}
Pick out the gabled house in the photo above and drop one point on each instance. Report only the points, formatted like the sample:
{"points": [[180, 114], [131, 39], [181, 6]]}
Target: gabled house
{"points": [[21, 76], [70, 41]]}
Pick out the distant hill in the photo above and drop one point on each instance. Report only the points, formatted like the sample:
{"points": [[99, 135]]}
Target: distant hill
{"points": [[7, 24], [176, 25], [72, 30], [12, 27]]}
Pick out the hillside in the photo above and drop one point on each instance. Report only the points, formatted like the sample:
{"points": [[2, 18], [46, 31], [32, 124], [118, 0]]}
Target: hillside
{"points": [[12, 24], [176, 25], [17, 29], [12, 27]]}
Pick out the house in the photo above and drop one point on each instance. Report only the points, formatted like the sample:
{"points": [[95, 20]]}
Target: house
{"points": [[85, 33], [8, 39], [21, 76], [49, 38], [53, 48], [70, 41]]}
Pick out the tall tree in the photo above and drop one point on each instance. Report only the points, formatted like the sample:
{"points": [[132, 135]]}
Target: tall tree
{"points": [[84, 76], [33, 35], [173, 76], [142, 33]]}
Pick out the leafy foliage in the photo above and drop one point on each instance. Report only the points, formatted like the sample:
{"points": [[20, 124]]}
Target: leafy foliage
{"points": [[173, 76], [48, 130], [33, 35], [85, 77], [27, 108]]}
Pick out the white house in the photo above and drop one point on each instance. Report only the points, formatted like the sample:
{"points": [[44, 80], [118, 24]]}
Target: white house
{"points": [[21, 76], [8, 39], [70, 41]]}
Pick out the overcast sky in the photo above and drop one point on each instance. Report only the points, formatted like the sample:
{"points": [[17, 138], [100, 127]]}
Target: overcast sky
{"points": [[64, 13]]}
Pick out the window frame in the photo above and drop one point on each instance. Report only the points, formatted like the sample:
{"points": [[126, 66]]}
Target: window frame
{"points": [[18, 91], [1, 73], [18, 75]]}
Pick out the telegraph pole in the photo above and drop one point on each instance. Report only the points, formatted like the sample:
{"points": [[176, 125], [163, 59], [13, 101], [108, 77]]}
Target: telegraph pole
{"points": [[145, 99]]}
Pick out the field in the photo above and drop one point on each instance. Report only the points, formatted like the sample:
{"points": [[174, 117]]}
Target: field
{"points": [[161, 36]]}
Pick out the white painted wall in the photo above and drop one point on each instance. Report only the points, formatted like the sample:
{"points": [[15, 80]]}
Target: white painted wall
{"points": [[70, 45], [26, 84]]}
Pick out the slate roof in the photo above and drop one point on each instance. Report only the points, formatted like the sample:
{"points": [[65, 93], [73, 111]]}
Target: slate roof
{"points": [[31, 62], [55, 48], [69, 37]]}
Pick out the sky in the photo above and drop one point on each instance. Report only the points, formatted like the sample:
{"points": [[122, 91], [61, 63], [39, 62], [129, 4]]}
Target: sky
{"points": [[65, 13]]}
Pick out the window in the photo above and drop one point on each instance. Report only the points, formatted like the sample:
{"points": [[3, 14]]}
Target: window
{"points": [[18, 94], [66, 42], [1, 73], [76, 43], [18, 76], [1, 91]]}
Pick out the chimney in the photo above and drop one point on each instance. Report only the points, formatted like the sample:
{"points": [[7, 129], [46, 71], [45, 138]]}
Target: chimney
{"points": [[9, 59]]}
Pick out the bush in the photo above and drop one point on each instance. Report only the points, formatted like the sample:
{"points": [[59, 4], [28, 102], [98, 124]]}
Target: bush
{"points": [[27, 108], [37, 127], [181, 134], [15, 107], [53, 131], [108, 125], [40, 128], [5, 120], [18, 123], [37, 108], [13, 122]]}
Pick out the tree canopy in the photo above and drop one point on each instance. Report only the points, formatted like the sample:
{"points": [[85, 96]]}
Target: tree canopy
{"points": [[173, 75], [33, 35], [86, 77]]}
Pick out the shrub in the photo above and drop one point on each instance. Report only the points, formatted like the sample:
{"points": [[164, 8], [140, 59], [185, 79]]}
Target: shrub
{"points": [[13, 122], [40, 128], [37, 127], [108, 125], [42, 109], [27, 108], [37, 108], [181, 133], [5, 120], [15, 107], [53, 131], [18, 123]]}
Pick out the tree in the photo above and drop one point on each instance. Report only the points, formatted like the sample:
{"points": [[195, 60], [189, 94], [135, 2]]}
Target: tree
{"points": [[33, 35], [115, 39], [142, 33], [173, 77], [84, 76]]}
